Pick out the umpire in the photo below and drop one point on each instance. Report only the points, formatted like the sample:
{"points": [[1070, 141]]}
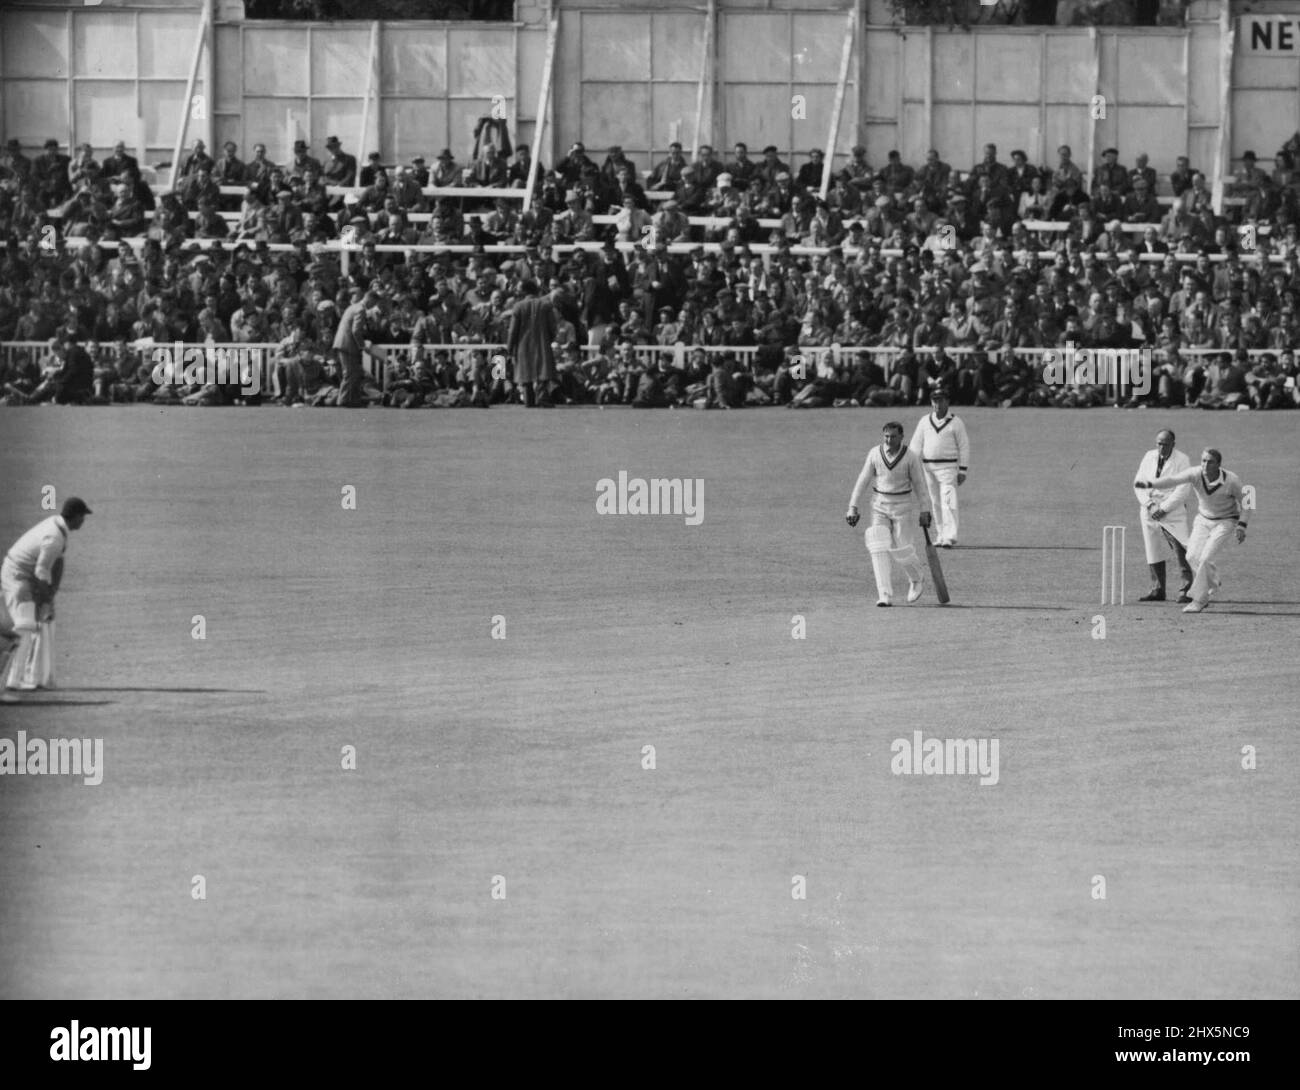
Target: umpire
{"points": [[533, 329]]}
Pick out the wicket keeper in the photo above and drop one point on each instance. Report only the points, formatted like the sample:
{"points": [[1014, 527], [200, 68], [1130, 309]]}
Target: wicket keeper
{"points": [[29, 579], [895, 476]]}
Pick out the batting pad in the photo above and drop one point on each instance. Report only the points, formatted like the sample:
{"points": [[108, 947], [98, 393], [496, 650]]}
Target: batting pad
{"points": [[24, 617], [40, 664], [878, 542]]}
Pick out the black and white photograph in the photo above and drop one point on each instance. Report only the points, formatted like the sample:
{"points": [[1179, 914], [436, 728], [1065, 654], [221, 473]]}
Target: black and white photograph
{"points": [[629, 499]]}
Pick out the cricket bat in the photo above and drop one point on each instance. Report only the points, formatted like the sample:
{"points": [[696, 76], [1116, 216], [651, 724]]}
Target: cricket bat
{"points": [[932, 555]]}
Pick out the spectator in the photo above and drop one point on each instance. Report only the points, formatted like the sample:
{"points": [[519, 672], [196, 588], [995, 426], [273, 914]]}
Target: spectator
{"points": [[341, 170]]}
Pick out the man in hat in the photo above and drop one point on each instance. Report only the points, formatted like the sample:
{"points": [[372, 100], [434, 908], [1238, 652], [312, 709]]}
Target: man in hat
{"points": [[446, 172], [342, 167], [302, 160], [898, 175], [1111, 174], [29, 580], [1248, 178]]}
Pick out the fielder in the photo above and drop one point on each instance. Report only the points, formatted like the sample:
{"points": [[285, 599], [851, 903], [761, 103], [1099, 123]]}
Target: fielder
{"points": [[894, 474], [1166, 521], [29, 579], [940, 440], [1219, 506]]}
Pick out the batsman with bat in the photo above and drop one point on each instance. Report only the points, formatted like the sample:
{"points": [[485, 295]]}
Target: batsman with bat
{"points": [[896, 478], [29, 580]]}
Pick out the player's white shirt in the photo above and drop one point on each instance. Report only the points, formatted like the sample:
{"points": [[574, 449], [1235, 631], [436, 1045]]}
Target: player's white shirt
{"points": [[1170, 500], [892, 479], [35, 552], [942, 441], [1218, 501]]}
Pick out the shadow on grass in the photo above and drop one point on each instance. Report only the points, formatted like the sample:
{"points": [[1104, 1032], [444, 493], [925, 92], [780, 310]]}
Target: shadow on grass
{"points": [[26, 701]]}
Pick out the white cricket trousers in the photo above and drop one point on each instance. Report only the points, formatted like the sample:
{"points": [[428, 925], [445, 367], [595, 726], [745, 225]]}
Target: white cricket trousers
{"points": [[1209, 538]]}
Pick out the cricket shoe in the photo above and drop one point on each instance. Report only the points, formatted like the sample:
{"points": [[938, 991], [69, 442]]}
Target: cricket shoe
{"points": [[883, 602], [1195, 607], [915, 589]]}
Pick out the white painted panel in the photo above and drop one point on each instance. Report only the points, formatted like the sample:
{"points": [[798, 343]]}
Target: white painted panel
{"points": [[35, 111], [35, 44], [1150, 69], [1009, 68], [615, 116], [167, 43], [482, 63], [678, 46], [105, 112], [413, 62], [339, 60], [275, 62], [104, 44], [756, 46], [616, 47]]}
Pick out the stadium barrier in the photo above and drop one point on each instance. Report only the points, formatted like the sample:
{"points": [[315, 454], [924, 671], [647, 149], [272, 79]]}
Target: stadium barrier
{"points": [[819, 360]]}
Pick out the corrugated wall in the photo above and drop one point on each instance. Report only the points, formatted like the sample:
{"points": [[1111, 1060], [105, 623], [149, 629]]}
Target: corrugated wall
{"points": [[631, 78]]}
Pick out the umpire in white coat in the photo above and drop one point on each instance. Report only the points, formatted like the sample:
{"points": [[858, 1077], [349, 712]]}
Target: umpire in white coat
{"points": [[1166, 521]]}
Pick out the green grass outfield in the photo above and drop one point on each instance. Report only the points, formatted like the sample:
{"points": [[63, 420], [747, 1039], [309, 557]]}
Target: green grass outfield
{"points": [[521, 757]]}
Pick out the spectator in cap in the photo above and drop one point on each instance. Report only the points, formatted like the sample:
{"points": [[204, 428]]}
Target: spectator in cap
{"points": [[1248, 178], [341, 169], [668, 173], [771, 167], [858, 174], [1111, 174], [446, 173]]}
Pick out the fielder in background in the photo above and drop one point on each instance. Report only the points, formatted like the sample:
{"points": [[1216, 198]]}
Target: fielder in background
{"points": [[940, 440], [1166, 521], [894, 474], [29, 579], [1219, 512]]}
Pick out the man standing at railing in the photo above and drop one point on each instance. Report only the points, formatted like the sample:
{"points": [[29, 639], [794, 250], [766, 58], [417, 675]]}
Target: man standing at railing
{"points": [[533, 329], [351, 340]]}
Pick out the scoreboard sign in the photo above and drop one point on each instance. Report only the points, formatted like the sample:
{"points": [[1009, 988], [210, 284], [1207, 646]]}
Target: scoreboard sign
{"points": [[1273, 35]]}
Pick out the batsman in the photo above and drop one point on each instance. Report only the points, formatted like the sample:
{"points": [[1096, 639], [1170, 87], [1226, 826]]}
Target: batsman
{"points": [[896, 478], [29, 580]]}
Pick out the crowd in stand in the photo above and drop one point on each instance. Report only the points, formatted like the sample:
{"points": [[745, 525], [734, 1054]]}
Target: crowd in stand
{"points": [[942, 268]]}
